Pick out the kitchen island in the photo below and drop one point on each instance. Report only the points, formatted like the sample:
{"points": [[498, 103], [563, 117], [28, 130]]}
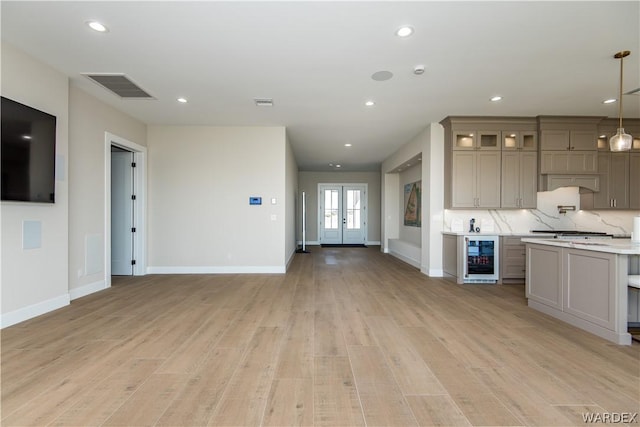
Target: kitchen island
{"points": [[582, 282]]}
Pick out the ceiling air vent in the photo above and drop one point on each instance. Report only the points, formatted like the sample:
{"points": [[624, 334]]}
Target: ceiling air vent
{"points": [[120, 85], [263, 102]]}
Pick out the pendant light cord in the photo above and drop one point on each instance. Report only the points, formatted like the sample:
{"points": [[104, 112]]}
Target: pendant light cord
{"points": [[620, 102]]}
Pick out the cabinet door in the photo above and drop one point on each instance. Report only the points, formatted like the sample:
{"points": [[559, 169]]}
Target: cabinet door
{"points": [[568, 162], [488, 140], [583, 140], [510, 188], [463, 180], [528, 179], [554, 140], [634, 181], [488, 179], [529, 140], [619, 180], [590, 286], [583, 162], [601, 199], [544, 285], [464, 140]]}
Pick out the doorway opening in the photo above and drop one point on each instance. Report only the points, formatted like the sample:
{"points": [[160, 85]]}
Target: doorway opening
{"points": [[123, 205], [125, 195], [342, 216]]}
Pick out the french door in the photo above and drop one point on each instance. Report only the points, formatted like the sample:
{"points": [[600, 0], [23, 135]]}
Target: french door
{"points": [[342, 216]]}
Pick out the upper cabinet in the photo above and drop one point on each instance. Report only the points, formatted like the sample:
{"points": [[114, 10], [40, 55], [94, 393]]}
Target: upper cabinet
{"points": [[501, 162], [568, 145], [474, 148], [519, 140], [569, 140], [476, 140]]}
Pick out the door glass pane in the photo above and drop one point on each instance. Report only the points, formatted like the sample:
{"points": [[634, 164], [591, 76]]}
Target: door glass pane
{"points": [[353, 209], [331, 209]]}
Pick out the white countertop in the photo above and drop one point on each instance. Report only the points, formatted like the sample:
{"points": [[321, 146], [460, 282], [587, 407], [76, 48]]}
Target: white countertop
{"points": [[497, 233], [614, 246]]}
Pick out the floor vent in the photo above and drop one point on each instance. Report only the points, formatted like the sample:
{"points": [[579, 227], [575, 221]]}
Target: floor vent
{"points": [[120, 85]]}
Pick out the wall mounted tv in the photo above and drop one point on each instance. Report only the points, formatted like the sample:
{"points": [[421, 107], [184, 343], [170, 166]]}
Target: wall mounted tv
{"points": [[28, 153]]}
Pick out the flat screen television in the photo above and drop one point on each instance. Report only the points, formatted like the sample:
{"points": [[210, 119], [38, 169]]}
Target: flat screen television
{"points": [[28, 153]]}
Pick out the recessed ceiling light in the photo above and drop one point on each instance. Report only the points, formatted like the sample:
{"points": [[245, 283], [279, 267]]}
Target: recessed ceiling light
{"points": [[369, 103], [183, 100], [97, 26], [496, 98], [609, 101], [404, 31], [27, 137], [602, 136], [347, 145], [338, 166]]}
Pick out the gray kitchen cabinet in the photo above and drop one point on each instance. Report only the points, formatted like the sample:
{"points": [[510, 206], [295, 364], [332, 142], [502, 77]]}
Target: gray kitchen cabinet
{"points": [[568, 162], [475, 179], [512, 259], [519, 140], [568, 145], [568, 140], [476, 140], [544, 275], [519, 181], [634, 180], [613, 169]]}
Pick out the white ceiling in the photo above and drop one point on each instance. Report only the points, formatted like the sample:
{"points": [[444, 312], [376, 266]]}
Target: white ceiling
{"points": [[315, 59]]}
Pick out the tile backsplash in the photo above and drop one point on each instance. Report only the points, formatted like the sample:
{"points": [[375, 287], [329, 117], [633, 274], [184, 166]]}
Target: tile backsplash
{"points": [[547, 216]]}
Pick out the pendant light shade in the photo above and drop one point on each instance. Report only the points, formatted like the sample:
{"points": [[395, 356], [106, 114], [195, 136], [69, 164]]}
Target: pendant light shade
{"points": [[621, 141]]}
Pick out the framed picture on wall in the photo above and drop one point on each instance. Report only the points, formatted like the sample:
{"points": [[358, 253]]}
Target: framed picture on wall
{"points": [[412, 203]]}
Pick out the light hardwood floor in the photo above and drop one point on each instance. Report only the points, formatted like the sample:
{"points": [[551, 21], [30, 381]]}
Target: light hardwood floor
{"points": [[348, 337]]}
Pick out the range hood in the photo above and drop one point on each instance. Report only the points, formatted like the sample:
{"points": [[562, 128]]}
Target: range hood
{"points": [[586, 183]]}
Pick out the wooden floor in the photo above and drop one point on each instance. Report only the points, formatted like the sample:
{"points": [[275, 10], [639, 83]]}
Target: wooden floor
{"points": [[348, 337]]}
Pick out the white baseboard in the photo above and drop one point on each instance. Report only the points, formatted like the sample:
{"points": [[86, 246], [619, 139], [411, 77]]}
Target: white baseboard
{"points": [[290, 260], [231, 269], [89, 289], [316, 243], [407, 252], [34, 310], [433, 272]]}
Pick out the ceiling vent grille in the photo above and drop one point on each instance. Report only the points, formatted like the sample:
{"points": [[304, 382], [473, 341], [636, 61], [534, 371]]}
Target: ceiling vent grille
{"points": [[120, 85], [263, 102]]}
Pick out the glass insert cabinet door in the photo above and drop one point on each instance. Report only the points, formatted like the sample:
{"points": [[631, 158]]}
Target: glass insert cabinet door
{"points": [[342, 214]]}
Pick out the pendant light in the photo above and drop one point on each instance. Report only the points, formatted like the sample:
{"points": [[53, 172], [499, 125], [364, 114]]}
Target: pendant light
{"points": [[620, 141]]}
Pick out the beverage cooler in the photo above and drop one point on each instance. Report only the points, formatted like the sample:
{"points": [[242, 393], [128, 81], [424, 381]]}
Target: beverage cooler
{"points": [[481, 258]]}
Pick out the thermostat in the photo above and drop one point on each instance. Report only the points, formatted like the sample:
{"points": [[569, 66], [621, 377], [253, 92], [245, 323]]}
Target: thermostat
{"points": [[255, 200]]}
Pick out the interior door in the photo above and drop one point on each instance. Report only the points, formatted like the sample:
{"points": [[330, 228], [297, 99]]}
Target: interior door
{"points": [[342, 216], [122, 213]]}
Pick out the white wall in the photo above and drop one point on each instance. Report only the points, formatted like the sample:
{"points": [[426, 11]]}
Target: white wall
{"points": [[308, 181], [200, 180], [89, 119], [429, 142], [290, 203], [35, 281]]}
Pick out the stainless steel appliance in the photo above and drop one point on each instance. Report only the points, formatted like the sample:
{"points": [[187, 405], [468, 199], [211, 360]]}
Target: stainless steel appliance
{"points": [[481, 258], [574, 234]]}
